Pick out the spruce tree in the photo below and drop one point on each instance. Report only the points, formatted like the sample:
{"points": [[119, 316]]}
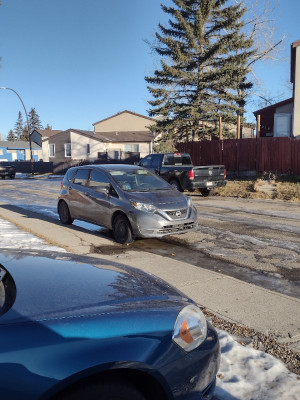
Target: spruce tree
{"points": [[24, 136], [11, 136], [34, 120], [18, 129], [203, 67]]}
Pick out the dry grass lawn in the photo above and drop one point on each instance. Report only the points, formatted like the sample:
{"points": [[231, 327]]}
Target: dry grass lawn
{"points": [[275, 188]]}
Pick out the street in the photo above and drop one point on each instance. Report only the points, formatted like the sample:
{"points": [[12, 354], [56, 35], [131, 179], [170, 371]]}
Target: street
{"points": [[257, 241], [242, 263]]}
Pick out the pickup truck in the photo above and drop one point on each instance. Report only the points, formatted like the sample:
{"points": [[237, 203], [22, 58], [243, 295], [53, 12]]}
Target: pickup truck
{"points": [[7, 170], [179, 171]]}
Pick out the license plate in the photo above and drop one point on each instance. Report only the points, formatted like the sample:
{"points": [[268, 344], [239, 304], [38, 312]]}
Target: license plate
{"points": [[209, 184]]}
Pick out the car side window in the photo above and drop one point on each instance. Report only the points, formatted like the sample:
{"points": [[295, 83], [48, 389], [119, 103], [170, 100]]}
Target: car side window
{"points": [[98, 179], [81, 177]]}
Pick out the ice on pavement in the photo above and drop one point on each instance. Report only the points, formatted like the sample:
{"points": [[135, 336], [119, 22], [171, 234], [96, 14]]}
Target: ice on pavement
{"points": [[244, 374]]}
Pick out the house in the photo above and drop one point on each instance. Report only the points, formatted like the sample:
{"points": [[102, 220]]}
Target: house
{"points": [[116, 135], [19, 151], [283, 118], [38, 135]]}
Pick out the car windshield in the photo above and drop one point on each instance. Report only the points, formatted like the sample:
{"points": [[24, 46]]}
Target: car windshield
{"points": [[138, 180]]}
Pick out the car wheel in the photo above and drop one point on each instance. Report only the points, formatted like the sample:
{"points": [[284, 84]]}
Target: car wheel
{"points": [[175, 185], [207, 192], [122, 230], [64, 213], [104, 391], [12, 177]]}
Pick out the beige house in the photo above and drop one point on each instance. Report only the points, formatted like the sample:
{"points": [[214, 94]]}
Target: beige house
{"points": [[119, 134], [283, 119], [126, 131]]}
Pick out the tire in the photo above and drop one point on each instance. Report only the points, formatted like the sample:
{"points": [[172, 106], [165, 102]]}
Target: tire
{"points": [[207, 192], [175, 185], [103, 391], [64, 213], [12, 177], [122, 230]]}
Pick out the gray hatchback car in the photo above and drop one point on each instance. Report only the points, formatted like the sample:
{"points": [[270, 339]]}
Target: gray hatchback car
{"points": [[127, 199]]}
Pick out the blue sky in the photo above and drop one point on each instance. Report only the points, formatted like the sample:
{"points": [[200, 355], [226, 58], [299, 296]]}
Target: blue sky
{"points": [[78, 62]]}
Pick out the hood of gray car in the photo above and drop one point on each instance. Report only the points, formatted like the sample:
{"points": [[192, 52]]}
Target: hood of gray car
{"points": [[165, 199], [48, 288]]}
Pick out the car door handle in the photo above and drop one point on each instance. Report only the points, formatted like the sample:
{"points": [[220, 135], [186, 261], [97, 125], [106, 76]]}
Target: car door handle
{"points": [[87, 194]]}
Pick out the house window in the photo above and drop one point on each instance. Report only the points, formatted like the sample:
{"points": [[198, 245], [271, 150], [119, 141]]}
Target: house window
{"points": [[51, 150], [88, 148], [133, 147], [68, 152]]}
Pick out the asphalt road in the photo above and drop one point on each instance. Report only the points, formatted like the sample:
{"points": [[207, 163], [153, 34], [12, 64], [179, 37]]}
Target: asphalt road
{"points": [[242, 263], [257, 240]]}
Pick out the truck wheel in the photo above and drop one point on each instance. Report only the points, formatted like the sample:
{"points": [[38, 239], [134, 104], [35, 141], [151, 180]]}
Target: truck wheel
{"points": [[206, 192], [175, 185]]}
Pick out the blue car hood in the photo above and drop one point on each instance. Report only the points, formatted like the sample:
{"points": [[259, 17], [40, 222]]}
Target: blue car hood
{"points": [[54, 288]]}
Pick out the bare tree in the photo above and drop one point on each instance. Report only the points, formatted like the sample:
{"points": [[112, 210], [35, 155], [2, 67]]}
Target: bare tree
{"points": [[261, 27]]}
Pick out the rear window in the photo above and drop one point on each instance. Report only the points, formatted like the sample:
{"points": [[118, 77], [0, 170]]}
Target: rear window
{"points": [[70, 174], [177, 159]]}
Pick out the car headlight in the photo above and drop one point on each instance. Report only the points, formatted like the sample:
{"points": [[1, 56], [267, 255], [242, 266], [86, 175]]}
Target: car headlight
{"points": [[189, 202], [143, 206], [190, 328]]}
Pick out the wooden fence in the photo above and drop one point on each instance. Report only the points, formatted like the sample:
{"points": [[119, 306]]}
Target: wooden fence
{"points": [[276, 155]]}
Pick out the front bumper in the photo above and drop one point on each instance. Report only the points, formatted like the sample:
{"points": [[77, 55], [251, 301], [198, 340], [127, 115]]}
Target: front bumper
{"points": [[193, 377], [150, 225]]}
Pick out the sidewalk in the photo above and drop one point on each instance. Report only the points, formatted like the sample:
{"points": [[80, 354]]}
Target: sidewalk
{"points": [[234, 300]]}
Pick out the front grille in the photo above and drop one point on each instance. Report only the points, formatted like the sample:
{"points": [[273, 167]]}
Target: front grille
{"points": [[177, 214], [178, 228]]}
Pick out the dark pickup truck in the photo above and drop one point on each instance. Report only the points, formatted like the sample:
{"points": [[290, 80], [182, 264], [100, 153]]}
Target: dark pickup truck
{"points": [[7, 170], [178, 170]]}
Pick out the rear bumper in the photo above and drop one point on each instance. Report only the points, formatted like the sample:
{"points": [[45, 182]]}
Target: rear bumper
{"points": [[206, 185]]}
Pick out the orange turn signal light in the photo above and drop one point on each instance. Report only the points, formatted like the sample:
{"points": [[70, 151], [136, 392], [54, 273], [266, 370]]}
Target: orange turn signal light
{"points": [[185, 333]]}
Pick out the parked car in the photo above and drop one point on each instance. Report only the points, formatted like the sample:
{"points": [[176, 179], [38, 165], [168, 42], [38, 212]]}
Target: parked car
{"points": [[179, 171], [7, 170], [73, 331], [128, 199]]}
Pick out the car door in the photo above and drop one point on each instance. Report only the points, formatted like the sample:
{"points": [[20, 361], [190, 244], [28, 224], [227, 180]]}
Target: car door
{"points": [[100, 207], [78, 199]]}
